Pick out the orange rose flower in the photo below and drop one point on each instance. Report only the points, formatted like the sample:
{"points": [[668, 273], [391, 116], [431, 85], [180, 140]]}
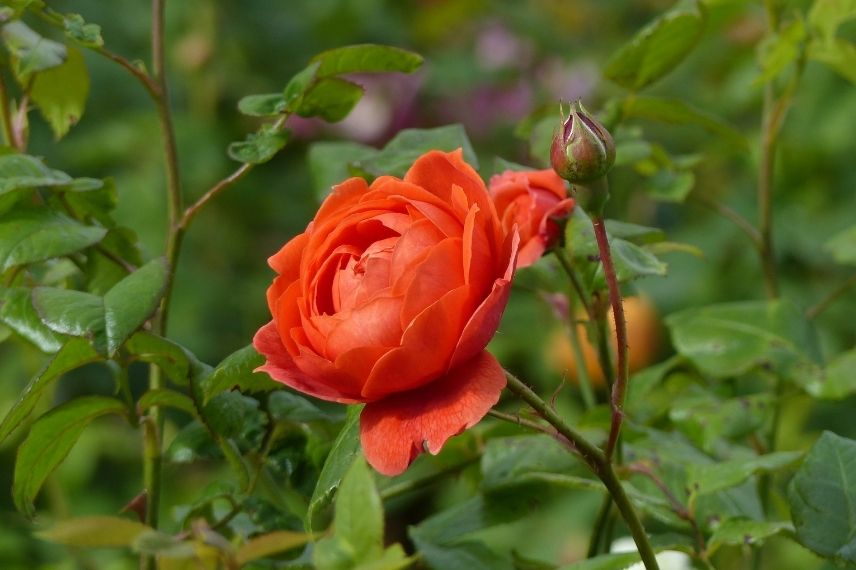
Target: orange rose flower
{"points": [[389, 298], [532, 200]]}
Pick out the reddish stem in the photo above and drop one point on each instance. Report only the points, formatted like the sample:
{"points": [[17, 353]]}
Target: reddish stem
{"points": [[619, 388]]}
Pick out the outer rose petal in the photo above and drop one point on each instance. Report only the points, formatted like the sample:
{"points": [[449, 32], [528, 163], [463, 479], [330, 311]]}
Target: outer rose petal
{"points": [[393, 431]]}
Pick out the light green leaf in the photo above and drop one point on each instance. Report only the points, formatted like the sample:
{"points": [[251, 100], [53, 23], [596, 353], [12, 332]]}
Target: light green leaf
{"points": [[167, 398], [837, 380], [259, 147], [95, 531], [838, 54], [268, 544], [36, 234], [393, 558], [632, 261], [826, 16], [60, 93], [842, 246], [366, 58], [670, 185], [398, 155], [297, 86], [345, 449], [706, 479], [677, 112], [18, 313], [267, 105], [734, 338], [634, 232], [287, 406], [777, 52], [110, 320], [30, 51], [822, 496], [19, 171], [742, 532], [88, 35], [74, 354], [49, 441], [328, 163], [237, 371], [358, 514], [330, 98], [658, 48]]}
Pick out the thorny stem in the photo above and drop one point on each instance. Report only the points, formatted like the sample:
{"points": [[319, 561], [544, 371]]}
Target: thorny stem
{"points": [[597, 461], [619, 387], [833, 296]]}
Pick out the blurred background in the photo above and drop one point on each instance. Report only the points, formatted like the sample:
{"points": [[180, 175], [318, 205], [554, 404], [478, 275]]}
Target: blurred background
{"points": [[491, 65]]}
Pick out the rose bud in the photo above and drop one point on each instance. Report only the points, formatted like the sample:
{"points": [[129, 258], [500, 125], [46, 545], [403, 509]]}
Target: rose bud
{"points": [[582, 150], [535, 201], [389, 298]]}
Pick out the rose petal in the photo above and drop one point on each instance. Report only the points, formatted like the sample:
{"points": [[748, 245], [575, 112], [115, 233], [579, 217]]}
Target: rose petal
{"points": [[286, 261], [341, 196], [440, 272], [393, 431], [438, 171], [376, 323]]}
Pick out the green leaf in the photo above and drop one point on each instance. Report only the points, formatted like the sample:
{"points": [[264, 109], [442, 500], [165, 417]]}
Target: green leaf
{"points": [[744, 532], [60, 93], [842, 246], [466, 555], [677, 112], [95, 531], [30, 51], [619, 561], [173, 359], [837, 380], [49, 441], [358, 514], [297, 85], [393, 558], [229, 413], [634, 232], [36, 234], [670, 185], [733, 338], [237, 371], [345, 449], [267, 105], [18, 313], [19, 171], [88, 35], [167, 398], [782, 49], [328, 163], [658, 48], [259, 147], [110, 320], [826, 16], [287, 406], [330, 98], [839, 55], [398, 155], [74, 354], [366, 58], [265, 545], [822, 496], [192, 442], [507, 461], [706, 479]]}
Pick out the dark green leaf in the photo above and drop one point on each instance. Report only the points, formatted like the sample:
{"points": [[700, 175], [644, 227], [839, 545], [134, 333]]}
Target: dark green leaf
{"points": [[49, 441], [842, 246], [193, 442], [328, 163], [287, 406], [88, 35], [172, 358], [618, 561], [822, 495], [74, 354], [734, 338], [31, 51], [36, 234], [237, 371], [60, 93], [508, 461], [409, 144], [18, 171], [670, 185], [677, 112], [704, 479], [330, 98], [466, 555], [95, 531], [298, 85], [230, 413], [18, 313], [266, 105], [742, 532], [463, 519], [167, 398], [345, 449], [366, 58], [658, 48], [259, 147]]}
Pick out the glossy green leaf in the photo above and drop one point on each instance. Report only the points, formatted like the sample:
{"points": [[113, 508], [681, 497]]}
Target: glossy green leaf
{"points": [[658, 48], [366, 58], [30, 51], [398, 155], [842, 246], [826, 16], [330, 98], [86, 34], [259, 147], [267, 105], [328, 163], [74, 354], [95, 531], [269, 544], [36, 234], [166, 398], [839, 55], [49, 441], [19, 171], [192, 442], [675, 111], [822, 496], [704, 479], [237, 371], [60, 93], [837, 380], [107, 321], [734, 338], [345, 450], [18, 313], [230, 413], [171, 358], [288, 406], [744, 532]]}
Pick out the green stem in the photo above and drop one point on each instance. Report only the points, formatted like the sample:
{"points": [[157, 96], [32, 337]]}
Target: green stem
{"points": [[6, 113], [833, 296], [765, 196], [619, 387], [600, 524]]}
